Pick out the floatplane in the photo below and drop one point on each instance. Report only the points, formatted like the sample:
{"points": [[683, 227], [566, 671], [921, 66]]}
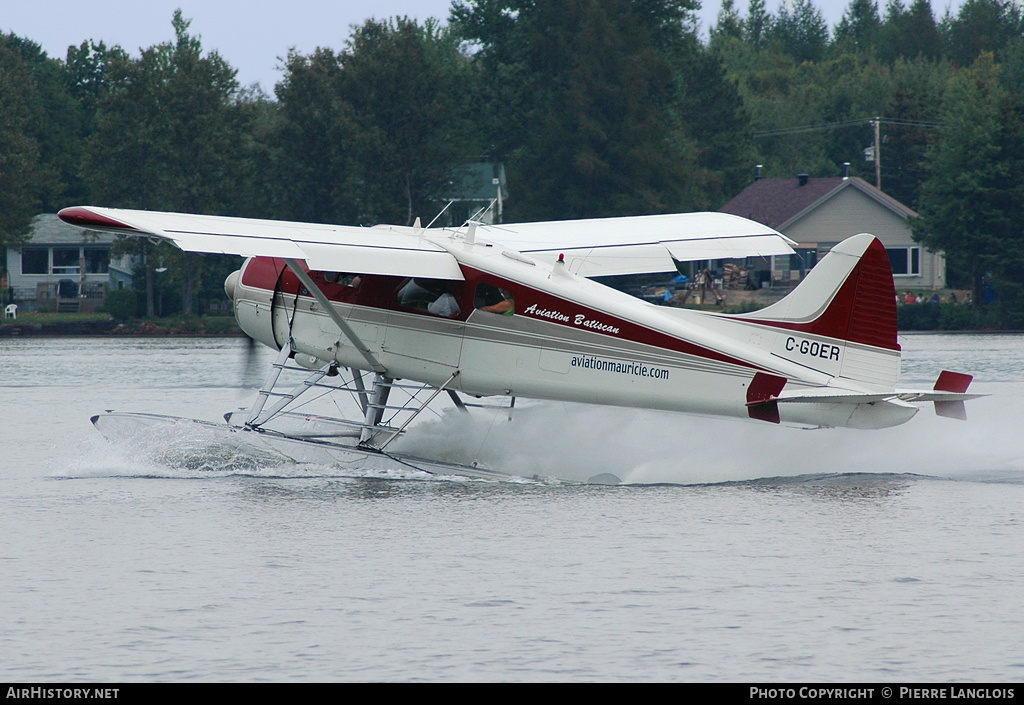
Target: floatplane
{"points": [[513, 310]]}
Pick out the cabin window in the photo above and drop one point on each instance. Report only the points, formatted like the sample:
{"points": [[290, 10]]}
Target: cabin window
{"points": [[905, 261], [35, 260], [438, 297], [349, 280], [494, 300]]}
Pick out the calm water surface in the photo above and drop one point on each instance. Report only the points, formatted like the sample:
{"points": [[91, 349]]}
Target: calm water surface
{"points": [[737, 552]]}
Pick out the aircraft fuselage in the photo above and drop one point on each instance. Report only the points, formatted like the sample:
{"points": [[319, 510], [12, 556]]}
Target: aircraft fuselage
{"points": [[517, 327]]}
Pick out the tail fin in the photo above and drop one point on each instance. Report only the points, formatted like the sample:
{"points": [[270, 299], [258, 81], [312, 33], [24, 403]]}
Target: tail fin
{"points": [[957, 383], [846, 308]]}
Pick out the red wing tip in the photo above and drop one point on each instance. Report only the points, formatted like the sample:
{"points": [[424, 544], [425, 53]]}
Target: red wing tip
{"points": [[85, 218], [953, 382]]}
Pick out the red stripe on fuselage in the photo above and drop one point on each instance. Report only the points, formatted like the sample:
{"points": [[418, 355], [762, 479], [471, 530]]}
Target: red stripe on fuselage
{"points": [[525, 297], [379, 291]]}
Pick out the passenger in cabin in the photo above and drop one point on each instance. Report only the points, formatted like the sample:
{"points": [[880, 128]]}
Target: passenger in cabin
{"points": [[430, 295], [445, 306], [416, 294], [494, 300], [350, 280]]}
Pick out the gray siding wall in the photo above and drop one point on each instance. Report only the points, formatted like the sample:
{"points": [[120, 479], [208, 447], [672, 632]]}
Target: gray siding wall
{"points": [[851, 212]]}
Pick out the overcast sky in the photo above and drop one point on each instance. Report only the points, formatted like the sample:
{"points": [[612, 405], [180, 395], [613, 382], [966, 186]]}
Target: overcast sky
{"points": [[254, 34]]}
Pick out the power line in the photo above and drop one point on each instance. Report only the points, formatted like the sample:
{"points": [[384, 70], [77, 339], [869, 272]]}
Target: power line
{"points": [[846, 123]]}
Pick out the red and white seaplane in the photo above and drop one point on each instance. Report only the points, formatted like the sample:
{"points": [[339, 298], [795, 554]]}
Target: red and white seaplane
{"points": [[511, 311]]}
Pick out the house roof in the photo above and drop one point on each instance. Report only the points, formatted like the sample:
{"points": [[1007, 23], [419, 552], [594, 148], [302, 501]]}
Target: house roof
{"points": [[475, 182], [779, 202], [48, 229]]}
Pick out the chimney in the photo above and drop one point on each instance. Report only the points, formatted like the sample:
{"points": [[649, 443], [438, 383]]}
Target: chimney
{"points": [[803, 178], [846, 170], [757, 172]]}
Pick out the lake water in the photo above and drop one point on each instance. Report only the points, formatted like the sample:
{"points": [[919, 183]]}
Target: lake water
{"points": [[737, 551]]}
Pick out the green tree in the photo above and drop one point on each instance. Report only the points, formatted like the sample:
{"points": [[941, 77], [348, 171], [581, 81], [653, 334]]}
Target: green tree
{"points": [[800, 32], [612, 105], [758, 22], [169, 136], [309, 142], [53, 123], [916, 34], [859, 27], [971, 204], [914, 114], [406, 87], [717, 125], [374, 133], [24, 179], [980, 26], [729, 25]]}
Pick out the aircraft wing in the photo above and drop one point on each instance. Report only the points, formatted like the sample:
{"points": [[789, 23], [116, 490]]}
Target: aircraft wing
{"points": [[337, 248], [596, 247], [640, 244]]}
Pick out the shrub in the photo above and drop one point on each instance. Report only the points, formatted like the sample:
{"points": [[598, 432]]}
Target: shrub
{"points": [[918, 316], [122, 304]]}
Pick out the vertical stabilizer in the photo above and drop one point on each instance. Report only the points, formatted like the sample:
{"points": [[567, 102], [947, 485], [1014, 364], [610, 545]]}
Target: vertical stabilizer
{"points": [[842, 315]]}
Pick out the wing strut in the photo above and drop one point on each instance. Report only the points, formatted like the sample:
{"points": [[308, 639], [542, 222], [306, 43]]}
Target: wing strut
{"points": [[357, 379], [268, 385], [459, 404], [335, 316], [423, 406]]}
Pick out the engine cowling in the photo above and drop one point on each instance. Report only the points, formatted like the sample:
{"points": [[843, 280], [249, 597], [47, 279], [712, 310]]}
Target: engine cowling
{"points": [[251, 288]]}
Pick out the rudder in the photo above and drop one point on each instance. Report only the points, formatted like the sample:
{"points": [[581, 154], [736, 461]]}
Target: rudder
{"points": [[849, 300]]}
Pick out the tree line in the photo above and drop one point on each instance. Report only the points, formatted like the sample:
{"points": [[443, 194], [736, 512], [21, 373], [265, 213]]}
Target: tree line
{"points": [[596, 108]]}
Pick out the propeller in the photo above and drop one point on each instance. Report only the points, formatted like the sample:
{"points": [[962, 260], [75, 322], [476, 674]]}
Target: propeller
{"points": [[250, 362], [250, 366]]}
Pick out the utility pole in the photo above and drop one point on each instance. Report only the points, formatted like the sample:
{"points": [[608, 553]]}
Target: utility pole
{"points": [[878, 155]]}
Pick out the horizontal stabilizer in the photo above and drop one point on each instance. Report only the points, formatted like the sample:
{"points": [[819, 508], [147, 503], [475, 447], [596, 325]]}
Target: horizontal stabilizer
{"points": [[832, 396], [954, 382], [949, 395]]}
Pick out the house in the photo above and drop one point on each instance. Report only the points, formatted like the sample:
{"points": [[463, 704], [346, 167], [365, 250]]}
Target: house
{"points": [[479, 191], [64, 268], [818, 213]]}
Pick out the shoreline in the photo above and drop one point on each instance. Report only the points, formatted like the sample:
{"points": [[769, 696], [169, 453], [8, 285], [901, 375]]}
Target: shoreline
{"points": [[110, 328]]}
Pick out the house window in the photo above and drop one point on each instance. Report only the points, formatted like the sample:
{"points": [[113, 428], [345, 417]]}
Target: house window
{"points": [[905, 261], [35, 260], [97, 260], [65, 260]]}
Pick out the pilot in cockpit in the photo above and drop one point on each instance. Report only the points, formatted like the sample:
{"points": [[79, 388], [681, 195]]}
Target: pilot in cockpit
{"points": [[494, 300]]}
